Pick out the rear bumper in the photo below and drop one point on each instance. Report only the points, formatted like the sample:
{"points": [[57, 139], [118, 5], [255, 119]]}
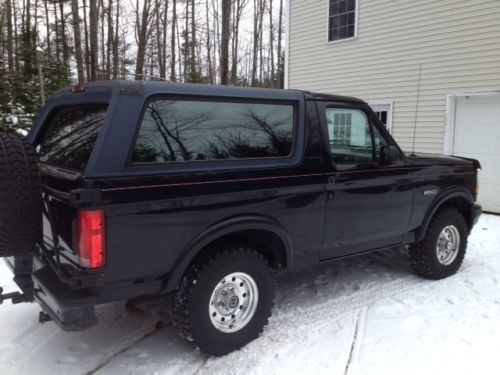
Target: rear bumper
{"points": [[71, 309]]}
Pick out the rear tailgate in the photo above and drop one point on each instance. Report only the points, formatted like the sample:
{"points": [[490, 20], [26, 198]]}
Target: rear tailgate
{"points": [[70, 135]]}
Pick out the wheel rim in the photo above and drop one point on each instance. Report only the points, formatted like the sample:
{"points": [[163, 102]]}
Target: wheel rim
{"points": [[448, 245], [233, 302]]}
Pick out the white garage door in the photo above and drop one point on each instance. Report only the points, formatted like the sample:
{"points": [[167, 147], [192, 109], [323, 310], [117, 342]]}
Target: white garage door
{"points": [[477, 135]]}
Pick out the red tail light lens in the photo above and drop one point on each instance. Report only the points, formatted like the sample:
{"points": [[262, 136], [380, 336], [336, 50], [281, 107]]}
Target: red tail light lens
{"points": [[91, 245]]}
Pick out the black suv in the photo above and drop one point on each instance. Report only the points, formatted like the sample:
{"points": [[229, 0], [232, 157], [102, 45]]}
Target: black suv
{"points": [[128, 189]]}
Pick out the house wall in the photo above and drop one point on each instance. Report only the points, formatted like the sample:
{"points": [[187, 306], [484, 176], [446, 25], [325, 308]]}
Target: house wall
{"points": [[457, 43]]}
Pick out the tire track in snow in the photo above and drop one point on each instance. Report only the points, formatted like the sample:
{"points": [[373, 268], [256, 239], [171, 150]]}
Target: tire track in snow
{"points": [[357, 336], [109, 359]]}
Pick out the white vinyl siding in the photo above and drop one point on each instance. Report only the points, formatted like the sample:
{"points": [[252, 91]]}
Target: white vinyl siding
{"points": [[456, 41]]}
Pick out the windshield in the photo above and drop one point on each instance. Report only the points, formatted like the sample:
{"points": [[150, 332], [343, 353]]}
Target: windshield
{"points": [[71, 136]]}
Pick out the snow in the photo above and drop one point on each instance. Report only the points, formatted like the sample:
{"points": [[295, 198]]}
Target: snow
{"points": [[364, 315]]}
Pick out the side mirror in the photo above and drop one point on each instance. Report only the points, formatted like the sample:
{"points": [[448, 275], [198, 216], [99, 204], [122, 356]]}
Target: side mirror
{"points": [[389, 155]]}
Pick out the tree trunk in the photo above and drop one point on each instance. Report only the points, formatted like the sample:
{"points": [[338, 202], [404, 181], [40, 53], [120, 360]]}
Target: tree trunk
{"points": [[47, 26], [87, 49], [172, 41], [64, 39], [142, 33], [209, 45], [179, 51], [10, 39], [109, 45], [235, 40], [116, 41], [186, 50], [161, 32], [102, 12], [34, 33], [224, 53], [93, 26], [279, 82], [262, 6], [27, 50], [16, 38], [78, 41], [271, 42], [193, 44], [256, 4]]}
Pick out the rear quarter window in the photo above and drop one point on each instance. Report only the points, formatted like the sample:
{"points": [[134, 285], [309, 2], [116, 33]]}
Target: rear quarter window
{"points": [[194, 130], [71, 136]]}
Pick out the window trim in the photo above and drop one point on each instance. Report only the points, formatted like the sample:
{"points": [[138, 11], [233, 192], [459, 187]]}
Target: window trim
{"points": [[193, 163], [356, 25], [389, 103]]}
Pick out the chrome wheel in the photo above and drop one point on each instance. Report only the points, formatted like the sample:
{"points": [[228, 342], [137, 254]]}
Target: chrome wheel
{"points": [[233, 302], [448, 245]]}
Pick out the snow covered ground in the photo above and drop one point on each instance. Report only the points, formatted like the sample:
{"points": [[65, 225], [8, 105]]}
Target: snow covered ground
{"points": [[365, 315]]}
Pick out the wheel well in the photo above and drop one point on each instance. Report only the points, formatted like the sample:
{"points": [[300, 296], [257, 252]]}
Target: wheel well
{"points": [[462, 205], [267, 243]]}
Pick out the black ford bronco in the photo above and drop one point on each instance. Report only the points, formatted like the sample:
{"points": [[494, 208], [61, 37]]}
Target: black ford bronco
{"points": [[129, 189]]}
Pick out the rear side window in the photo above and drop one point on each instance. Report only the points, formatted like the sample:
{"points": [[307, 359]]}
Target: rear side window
{"points": [[183, 130], [71, 136]]}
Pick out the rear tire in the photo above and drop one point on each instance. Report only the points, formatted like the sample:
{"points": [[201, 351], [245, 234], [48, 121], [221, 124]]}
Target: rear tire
{"points": [[20, 197], [224, 301], [441, 253]]}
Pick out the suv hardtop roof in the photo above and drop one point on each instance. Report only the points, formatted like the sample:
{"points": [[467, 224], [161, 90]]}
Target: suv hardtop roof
{"points": [[148, 88]]}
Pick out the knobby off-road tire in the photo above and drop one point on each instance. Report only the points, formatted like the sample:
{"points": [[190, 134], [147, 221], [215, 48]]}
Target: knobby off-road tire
{"points": [[446, 223], [229, 279], [20, 197]]}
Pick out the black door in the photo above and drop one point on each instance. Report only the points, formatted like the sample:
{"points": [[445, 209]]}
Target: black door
{"points": [[369, 199]]}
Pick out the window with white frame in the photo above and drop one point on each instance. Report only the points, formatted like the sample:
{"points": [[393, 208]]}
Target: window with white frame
{"points": [[341, 19], [383, 110]]}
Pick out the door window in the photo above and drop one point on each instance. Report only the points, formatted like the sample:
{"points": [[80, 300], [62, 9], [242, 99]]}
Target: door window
{"points": [[352, 138], [349, 136]]}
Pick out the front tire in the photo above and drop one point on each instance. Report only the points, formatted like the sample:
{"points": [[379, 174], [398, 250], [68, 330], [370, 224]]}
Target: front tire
{"points": [[224, 301], [441, 253]]}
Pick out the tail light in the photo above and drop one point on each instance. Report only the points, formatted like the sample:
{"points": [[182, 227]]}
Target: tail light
{"points": [[91, 238]]}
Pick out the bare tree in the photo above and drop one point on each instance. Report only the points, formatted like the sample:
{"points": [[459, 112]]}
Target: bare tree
{"points": [[87, 48], [224, 54], [142, 31], [64, 38], [237, 14], [109, 41], [172, 41], [280, 52], [77, 41], [209, 44], [10, 39], [271, 43], [93, 26], [116, 41], [47, 27]]}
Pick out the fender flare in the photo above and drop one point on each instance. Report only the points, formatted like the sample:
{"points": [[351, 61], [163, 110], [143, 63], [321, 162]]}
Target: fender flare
{"points": [[223, 228], [444, 197]]}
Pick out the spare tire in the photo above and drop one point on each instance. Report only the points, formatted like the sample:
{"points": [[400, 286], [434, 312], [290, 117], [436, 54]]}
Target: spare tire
{"points": [[20, 197]]}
